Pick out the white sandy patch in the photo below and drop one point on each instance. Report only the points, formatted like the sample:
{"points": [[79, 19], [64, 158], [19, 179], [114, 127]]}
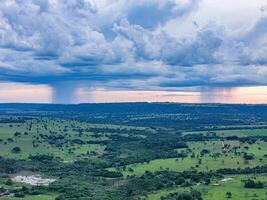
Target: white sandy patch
{"points": [[36, 180], [226, 179]]}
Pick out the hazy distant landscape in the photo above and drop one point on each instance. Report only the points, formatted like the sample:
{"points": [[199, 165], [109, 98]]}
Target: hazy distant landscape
{"points": [[148, 151]]}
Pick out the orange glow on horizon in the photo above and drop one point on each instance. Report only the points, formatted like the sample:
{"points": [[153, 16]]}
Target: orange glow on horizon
{"points": [[138, 96], [236, 95], [22, 93], [29, 93]]}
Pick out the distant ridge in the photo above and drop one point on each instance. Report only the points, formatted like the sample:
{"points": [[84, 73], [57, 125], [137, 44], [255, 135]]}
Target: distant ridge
{"points": [[144, 107]]}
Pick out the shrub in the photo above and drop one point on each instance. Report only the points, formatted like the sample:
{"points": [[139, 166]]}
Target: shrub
{"points": [[16, 150]]}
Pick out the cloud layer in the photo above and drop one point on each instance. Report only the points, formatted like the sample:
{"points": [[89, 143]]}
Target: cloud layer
{"points": [[124, 44]]}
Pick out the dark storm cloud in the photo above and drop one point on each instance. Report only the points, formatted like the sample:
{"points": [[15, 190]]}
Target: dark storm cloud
{"points": [[50, 41]]}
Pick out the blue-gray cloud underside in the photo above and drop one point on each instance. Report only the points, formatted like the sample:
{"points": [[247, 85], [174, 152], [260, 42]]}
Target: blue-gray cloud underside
{"points": [[120, 44]]}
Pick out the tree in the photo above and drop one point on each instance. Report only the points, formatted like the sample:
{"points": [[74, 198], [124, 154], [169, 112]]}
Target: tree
{"points": [[228, 195], [248, 157], [16, 150], [9, 182], [17, 134], [252, 184]]}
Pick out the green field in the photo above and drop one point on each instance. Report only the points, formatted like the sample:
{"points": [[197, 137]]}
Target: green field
{"points": [[239, 132], [227, 160], [51, 127], [218, 189], [131, 157]]}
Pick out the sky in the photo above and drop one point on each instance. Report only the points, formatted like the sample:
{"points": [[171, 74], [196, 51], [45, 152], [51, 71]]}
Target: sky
{"points": [[74, 51]]}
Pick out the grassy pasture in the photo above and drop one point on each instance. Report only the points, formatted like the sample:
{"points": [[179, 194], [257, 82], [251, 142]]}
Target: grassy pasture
{"points": [[228, 160], [239, 132], [70, 128], [78, 130], [45, 127], [217, 190]]}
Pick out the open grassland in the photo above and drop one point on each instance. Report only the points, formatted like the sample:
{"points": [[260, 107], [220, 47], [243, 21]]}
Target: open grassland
{"points": [[28, 136], [214, 160], [217, 190], [134, 155], [239, 132], [30, 142]]}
